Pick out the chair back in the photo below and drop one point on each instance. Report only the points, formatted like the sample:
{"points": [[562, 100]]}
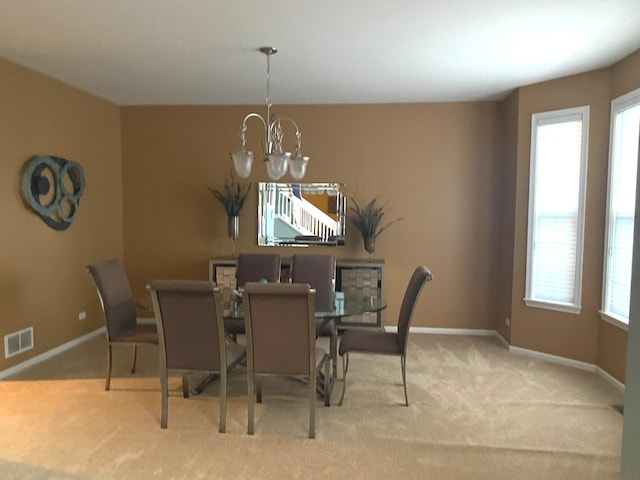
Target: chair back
{"points": [[319, 272], [252, 267], [190, 324], [280, 328], [116, 297], [420, 276]]}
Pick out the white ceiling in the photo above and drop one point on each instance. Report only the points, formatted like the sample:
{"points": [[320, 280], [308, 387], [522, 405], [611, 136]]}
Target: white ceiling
{"points": [[137, 52]]}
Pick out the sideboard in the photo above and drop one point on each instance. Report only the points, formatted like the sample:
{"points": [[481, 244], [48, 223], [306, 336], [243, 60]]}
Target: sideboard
{"points": [[352, 275]]}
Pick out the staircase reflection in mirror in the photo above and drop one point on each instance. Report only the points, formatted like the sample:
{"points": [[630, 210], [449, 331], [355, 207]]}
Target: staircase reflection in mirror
{"points": [[301, 214]]}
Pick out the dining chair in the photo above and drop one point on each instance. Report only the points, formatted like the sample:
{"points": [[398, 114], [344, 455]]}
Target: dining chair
{"points": [[119, 311], [252, 267], [191, 332], [281, 340], [319, 272], [386, 343]]}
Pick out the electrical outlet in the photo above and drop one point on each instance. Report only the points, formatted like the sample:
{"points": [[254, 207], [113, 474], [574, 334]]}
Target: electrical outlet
{"points": [[82, 316], [507, 321]]}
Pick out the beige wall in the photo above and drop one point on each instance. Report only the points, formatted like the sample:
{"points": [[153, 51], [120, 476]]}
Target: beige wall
{"points": [[435, 164], [42, 280], [557, 333], [456, 172], [584, 337], [504, 290], [612, 341]]}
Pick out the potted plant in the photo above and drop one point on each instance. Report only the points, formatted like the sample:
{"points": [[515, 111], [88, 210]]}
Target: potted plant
{"points": [[232, 198], [369, 221]]}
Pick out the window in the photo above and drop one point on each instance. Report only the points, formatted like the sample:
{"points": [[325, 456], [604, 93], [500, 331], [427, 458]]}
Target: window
{"points": [[557, 185], [621, 201]]}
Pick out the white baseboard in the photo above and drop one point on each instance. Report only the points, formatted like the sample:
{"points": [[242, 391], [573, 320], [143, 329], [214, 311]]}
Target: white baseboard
{"points": [[590, 367], [611, 379], [553, 358], [424, 330], [446, 331], [50, 353]]}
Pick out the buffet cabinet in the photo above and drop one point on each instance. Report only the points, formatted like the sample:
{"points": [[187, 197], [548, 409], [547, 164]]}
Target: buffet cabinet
{"points": [[353, 276]]}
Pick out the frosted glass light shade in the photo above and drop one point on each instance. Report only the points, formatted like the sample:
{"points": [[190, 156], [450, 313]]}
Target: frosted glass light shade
{"points": [[277, 164], [242, 162], [298, 166]]}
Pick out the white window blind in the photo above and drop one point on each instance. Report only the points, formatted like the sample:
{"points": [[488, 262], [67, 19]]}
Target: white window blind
{"points": [[556, 209], [623, 161]]}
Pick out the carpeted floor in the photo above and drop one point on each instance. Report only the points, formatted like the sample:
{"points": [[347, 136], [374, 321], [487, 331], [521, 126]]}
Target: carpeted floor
{"points": [[477, 412]]}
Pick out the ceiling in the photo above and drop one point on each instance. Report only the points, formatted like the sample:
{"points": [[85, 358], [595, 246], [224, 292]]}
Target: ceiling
{"points": [[168, 52]]}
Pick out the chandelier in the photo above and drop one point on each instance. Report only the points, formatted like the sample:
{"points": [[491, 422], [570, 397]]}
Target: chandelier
{"points": [[277, 160]]}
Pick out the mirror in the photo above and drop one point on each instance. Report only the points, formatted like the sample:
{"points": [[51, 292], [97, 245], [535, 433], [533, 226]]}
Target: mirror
{"points": [[301, 214]]}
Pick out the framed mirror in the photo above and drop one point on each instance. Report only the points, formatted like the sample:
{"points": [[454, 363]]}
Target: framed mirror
{"points": [[301, 214]]}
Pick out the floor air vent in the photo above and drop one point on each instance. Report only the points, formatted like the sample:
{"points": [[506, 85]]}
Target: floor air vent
{"points": [[18, 342]]}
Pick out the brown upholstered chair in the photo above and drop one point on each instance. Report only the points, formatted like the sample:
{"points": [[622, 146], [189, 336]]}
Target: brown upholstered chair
{"points": [[253, 267], [386, 343], [192, 339], [119, 310], [281, 340], [319, 272]]}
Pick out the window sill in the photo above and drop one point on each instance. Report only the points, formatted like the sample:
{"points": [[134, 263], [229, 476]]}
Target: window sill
{"points": [[615, 320], [559, 307]]}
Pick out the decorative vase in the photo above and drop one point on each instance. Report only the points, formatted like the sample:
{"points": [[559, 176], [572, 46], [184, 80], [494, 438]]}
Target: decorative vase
{"points": [[233, 227], [369, 244]]}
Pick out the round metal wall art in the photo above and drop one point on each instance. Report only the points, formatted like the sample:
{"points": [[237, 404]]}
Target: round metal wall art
{"points": [[52, 186]]}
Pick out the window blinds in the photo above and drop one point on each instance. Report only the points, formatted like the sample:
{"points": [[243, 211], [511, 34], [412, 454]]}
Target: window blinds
{"points": [[622, 195], [556, 208]]}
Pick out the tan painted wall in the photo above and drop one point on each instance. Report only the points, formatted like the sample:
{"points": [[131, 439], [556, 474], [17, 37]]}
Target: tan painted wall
{"points": [[504, 290], [612, 341], [557, 333], [42, 279], [435, 164], [445, 168], [625, 75]]}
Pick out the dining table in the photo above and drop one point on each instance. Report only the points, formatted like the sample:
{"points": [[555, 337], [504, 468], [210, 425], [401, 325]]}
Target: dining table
{"points": [[346, 304]]}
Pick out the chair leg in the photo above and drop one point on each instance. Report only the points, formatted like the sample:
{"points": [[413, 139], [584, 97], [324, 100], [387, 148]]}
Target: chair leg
{"points": [[185, 384], [333, 350], [109, 363], [312, 405], [403, 363], [223, 401], [135, 355], [259, 391], [345, 367], [251, 395], [165, 398], [327, 383]]}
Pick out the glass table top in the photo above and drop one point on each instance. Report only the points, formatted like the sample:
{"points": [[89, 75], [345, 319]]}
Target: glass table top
{"points": [[346, 305]]}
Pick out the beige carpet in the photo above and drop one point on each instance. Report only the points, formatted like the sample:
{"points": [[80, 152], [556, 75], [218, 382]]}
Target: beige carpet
{"points": [[477, 412]]}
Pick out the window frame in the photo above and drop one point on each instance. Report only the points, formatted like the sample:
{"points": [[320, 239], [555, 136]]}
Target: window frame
{"points": [[618, 105], [581, 113]]}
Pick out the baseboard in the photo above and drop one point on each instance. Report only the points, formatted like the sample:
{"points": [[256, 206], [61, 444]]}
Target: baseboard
{"points": [[50, 353], [590, 367], [446, 331], [424, 330], [611, 379]]}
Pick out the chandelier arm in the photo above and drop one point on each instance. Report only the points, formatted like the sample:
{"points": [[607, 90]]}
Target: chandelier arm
{"points": [[298, 134], [267, 133]]}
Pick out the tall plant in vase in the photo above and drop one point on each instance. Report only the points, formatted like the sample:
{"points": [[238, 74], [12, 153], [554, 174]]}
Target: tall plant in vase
{"points": [[369, 221], [232, 198]]}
